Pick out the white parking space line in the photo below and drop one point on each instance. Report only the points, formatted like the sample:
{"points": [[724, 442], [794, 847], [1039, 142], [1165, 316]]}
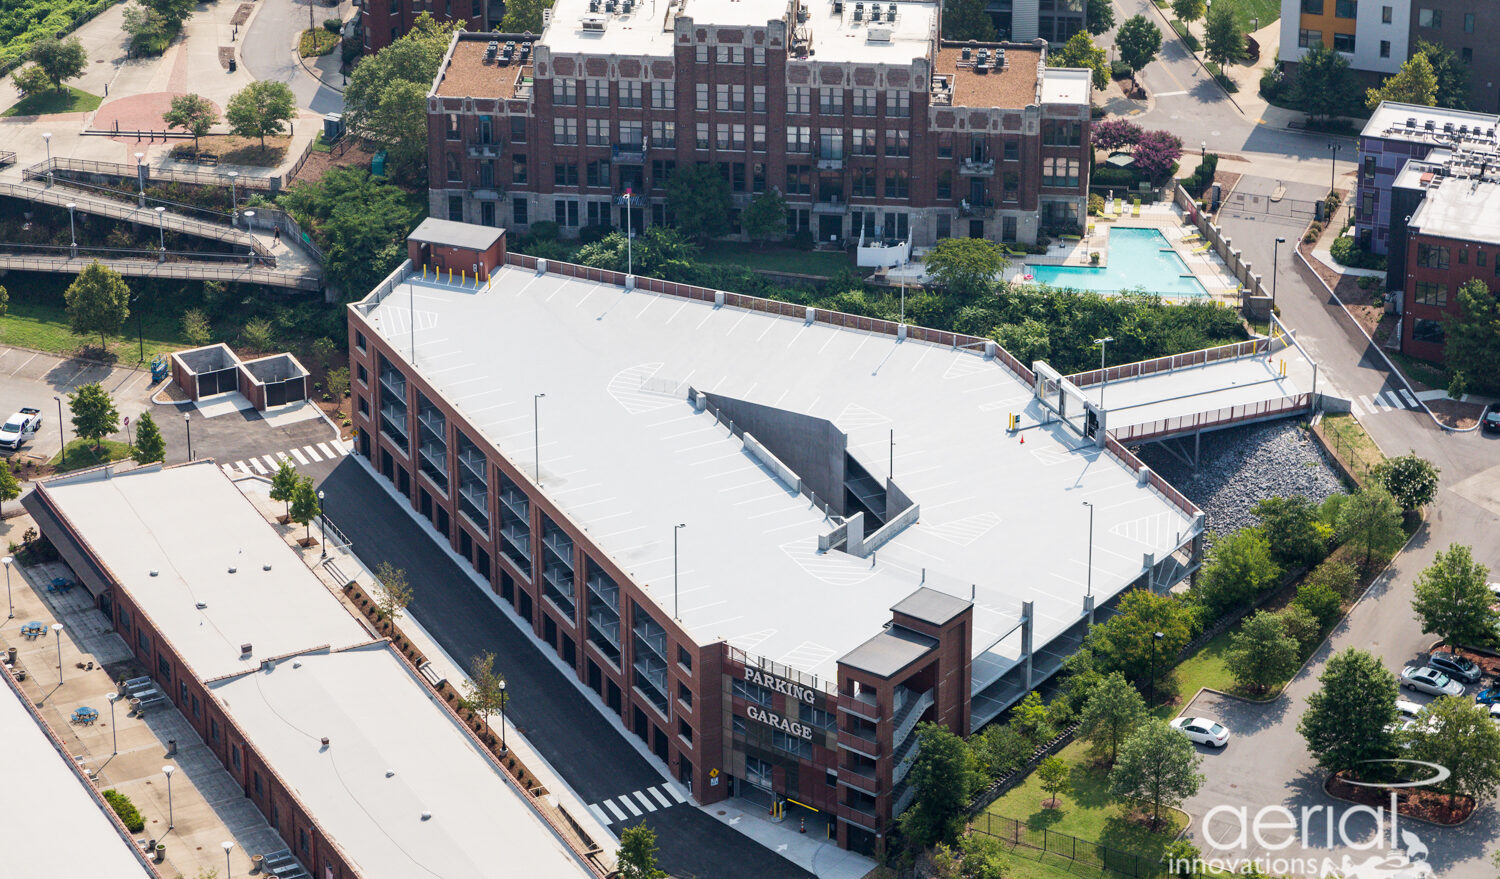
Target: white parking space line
{"points": [[228, 471], [599, 813], [296, 454], [23, 364]]}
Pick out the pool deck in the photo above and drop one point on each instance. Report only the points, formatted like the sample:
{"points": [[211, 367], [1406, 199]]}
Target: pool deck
{"points": [[1206, 266]]}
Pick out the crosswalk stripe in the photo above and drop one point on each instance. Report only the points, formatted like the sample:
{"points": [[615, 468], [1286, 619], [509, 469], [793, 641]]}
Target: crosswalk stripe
{"points": [[327, 452], [1357, 410], [243, 469], [295, 454], [271, 463], [256, 464], [311, 453], [646, 801], [656, 793], [228, 471], [625, 801], [675, 795], [599, 813], [619, 815], [1411, 401], [1395, 400], [1376, 404]]}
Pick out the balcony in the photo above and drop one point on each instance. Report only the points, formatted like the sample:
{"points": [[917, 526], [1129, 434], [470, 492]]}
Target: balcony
{"points": [[860, 779], [977, 168], [834, 205], [515, 501], [864, 705], [628, 153], [852, 741], [980, 210], [830, 160], [483, 150]]}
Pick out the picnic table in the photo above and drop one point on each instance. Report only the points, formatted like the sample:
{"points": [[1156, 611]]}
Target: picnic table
{"points": [[85, 715], [60, 584], [34, 629]]}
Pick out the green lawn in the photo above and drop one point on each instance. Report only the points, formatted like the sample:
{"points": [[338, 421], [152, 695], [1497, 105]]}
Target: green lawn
{"points": [[1265, 10], [82, 454], [1209, 667], [803, 262], [1089, 813], [70, 100], [44, 327], [1350, 443], [1424, 371]]}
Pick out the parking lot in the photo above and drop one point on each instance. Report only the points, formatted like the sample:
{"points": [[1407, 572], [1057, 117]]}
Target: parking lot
{"points": [[30, 378]]}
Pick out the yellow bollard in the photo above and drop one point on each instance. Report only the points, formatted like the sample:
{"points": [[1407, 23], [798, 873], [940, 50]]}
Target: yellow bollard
{"points": [[462, 277], [424, 271]]}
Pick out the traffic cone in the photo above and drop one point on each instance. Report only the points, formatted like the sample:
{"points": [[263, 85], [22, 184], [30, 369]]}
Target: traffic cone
{"points": [[1023, 439]]}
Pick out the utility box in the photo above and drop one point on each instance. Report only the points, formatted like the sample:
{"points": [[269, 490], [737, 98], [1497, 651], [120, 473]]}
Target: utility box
{"points": [[333, 127]]}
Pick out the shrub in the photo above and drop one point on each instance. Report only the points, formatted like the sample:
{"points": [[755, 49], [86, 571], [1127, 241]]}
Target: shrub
{"points": [[1120, 70], [127, 811], [545, 230], [1185, 35], [1314, 230], [1320, 600], [1273, 85], [1096, 204], [317, 41], [597, 232], [1347, 252], [332, 25], [1111, 176], [803, 239]]}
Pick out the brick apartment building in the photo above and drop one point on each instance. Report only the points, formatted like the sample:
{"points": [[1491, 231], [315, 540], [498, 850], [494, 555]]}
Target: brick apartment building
{"points": [[1378, 36], [854, 111], [690, 498], [382, 22]]}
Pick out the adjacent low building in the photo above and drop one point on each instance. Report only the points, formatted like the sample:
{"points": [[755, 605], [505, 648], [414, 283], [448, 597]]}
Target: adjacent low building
{"points": [[868, 124], [769, 539], [331, 733]]}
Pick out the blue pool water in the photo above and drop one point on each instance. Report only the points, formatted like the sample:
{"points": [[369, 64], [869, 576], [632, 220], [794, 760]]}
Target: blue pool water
{"points": [[1138, 258]]}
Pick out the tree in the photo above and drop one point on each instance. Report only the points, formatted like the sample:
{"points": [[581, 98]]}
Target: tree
{"points": [[1156, 154], [1370, 520], [1113, 710], [658, 252], [284, 485], [261, 108], [146, 26], [194, 114], [1101, 16], [1115, 133], [1414, 83], [1080, 51], [765, 219], [1223, 41], [1127, 642], [698, 197], [360, 221], [1188, 11], [944, 774], [967, 20], [1030, 718], [1349, 719], [392, 592], [59, 59], [98, 302], [1301, 625], [637, 856], [1158, 765], [1453, 599], [175, 11], [1053, 774], [31, 80], [256, 334], [523, 16], [1325, 86], [1452, 75], [94, 413], [10, 486], [484, 689], [1261, 653], [1320, 601], [1138, 41], [338, 383], [1459, 736], [386, 98], [1000, 749], [1291, 528], [1238, 570], [1472, 337], [305, 506], [195, 327], [1411, 480], [1458, 384], [149, 444], [967, 268]]}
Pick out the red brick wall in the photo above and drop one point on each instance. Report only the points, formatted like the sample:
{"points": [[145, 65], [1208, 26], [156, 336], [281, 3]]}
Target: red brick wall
{"points": [[1464, 264]]}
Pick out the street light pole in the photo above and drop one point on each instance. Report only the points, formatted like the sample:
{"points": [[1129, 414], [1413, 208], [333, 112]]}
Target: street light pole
{"points": [[234, 202], [503, 749], [1275, 269], [536, 435], [167, 770], [1333, 166], [1089, 587], [8, 562], [161, 230], [1102, 379], [140, 159], [322, 524], [675, 528], [57, 630], [1155, 641], [188, 421], [60, 434], [229, 846], [72, 227], [47, 138], [114, 731], [140, 332]]}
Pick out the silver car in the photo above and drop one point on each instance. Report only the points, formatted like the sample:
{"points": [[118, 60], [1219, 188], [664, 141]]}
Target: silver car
{"points": [[1430, 681]]}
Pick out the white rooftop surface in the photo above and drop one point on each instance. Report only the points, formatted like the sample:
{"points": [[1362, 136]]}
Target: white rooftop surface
{"points": [[1391, 114], [1460, 208], [52, 818], [625, 456], [837, 37], [379, 719], [153, 520], [1200, 389], [640, 33], [1066, 86]]}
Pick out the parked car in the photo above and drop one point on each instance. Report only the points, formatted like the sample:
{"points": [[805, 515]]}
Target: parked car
{"points": [[1490, 420], [1488, 696], [1459, 668], [20, 428], [1202, 731], [1407, 709], [1430, 681]]}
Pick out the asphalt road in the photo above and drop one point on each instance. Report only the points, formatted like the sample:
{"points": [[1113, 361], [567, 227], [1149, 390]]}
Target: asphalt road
{"points": [[1266, 763], [564, 725], [268, 51]]}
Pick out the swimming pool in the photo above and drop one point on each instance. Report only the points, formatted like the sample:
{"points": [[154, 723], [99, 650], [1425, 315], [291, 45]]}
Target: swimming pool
{"points": [[1138, 258]]}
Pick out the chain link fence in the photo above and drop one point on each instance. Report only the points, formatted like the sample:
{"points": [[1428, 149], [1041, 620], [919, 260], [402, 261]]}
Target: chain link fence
{"points": [[1075, 849]]}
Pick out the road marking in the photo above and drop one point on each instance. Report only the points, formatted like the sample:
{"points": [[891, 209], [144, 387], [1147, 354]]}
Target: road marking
{"points": [[327, 452], [646, 801], [23, 365], [228, 471], [1355, 409], [1411, 401], [296, 454], [675, 795], [255, 464], [311, 453], [625, 801], [1395, 400], [658, 794], [1170, 94], [599, 813], [619, 815], [271, 462]]}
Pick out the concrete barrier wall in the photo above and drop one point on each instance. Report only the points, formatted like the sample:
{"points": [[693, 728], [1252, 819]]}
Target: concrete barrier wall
{"points": [[782, 471], [1222, 245], [888, 530]]}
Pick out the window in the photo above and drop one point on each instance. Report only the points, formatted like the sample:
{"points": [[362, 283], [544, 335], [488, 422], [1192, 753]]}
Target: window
{"points": [[798, 180], [1468, 22], [364, 406], [794, 745], [700, 137], [213, 730], [758, 98], [1062, 134], [1345, 8], [729, 54], [737, 136], [565, 212], [565, 174], [1432, 18], [831, 101], [456, 208], [736, 99], [453, 127], [359, 340], [759, 55], [700, 53], [1312, 7], [565, 132], [455, 173], [1385, 14], [945, 184], [1010, 186], [518, 129], [798, 139], [518, 168], [685, 659], [565, 94], [798, 99], [1058, 171], [596, 132], [721, 136], [864, 102], [1432, 256], [664, 134], [1307, 39], [897, 183], [758, 176], [897, 142], [1479, 258], [897, 103], [1012, 149], [1385, 48], [1423, 330], [259, 788], [1463, 256], [597, 214], [164, 669], [864, 183], [1468, 55], [700, 100], [662, 171], [685, 731], [630, 93], [1343, 42], [234, 756], [360, 373], [816, 717], [596, 173], [1431, 293], [863, 142], [752, 692], [662, 96], [758, 138]]}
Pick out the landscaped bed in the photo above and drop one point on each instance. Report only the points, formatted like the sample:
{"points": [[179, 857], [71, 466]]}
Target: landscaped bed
{"points": [[1425, 805]]}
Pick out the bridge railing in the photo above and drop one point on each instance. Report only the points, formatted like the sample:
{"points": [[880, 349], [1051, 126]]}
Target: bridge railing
{"points": [[142, 268], [1185, 360], [1216, 418]]}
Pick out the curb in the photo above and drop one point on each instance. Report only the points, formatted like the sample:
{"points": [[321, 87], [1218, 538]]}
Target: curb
{"points": [[1195, 57], [1403, 815]]}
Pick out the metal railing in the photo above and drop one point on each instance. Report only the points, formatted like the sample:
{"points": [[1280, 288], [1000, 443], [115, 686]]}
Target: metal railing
{"points": [[1186, 360], [175, 270], [123, 211], [1075, 849], [159, 175], [126, 196], [1222, 417], [268, 262], [812, 682], [7, 157]]}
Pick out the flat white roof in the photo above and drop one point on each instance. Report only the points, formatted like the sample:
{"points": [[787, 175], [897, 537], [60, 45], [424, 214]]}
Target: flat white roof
{"points": [[626, 457], [393, 756], [170, 536], [1389, 120], [1461, 208], [52, 818], [1066, 86]]}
